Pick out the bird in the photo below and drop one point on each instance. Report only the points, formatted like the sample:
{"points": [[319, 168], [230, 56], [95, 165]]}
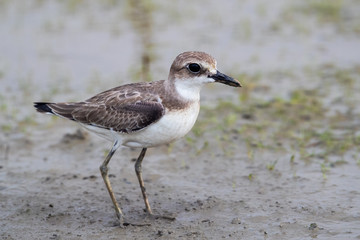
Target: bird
{"points": [[144, 114]]}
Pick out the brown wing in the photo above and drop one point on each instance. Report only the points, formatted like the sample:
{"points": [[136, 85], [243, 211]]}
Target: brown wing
{"points": [[125, 118], [124, 109]]}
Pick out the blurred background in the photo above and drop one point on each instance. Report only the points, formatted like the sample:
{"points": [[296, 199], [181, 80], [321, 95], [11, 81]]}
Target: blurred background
{"points": [[53, 48], [295, 121]]}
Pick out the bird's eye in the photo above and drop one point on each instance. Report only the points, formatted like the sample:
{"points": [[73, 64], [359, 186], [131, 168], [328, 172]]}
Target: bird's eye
{"points": [[194, 67]]}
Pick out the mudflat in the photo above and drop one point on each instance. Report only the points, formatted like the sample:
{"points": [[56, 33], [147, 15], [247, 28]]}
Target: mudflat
{"points": [[276, 159]]}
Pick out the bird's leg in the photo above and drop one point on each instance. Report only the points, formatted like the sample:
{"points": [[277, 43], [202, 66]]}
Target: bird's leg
{"points": [[138, 170], [104, 173], [105, 176]]}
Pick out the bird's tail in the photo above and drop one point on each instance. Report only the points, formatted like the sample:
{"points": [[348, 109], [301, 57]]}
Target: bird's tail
{"points": [[59, 109], [43, 107]]}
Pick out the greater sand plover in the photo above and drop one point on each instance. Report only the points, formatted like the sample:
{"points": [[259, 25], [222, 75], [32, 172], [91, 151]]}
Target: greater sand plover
{"points": [[143, 115]]}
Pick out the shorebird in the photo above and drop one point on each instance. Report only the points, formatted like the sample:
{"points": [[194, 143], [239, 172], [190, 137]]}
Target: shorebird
{"points": [[143, 115]]}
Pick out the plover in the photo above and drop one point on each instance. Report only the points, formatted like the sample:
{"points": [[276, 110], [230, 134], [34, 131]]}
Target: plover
{"points": [[143, 115]]}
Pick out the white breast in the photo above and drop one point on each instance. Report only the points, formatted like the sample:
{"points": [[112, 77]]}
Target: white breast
{"points": [[172, 126]]}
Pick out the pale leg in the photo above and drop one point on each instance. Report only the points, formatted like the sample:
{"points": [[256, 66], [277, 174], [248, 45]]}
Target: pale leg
{"points": [[105, 176], [138, 170]]}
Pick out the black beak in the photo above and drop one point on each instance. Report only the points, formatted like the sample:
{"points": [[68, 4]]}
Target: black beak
{"points": [[222, 78]]}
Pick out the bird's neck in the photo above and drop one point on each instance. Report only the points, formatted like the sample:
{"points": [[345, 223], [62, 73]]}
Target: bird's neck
{"points": [[185, 89]]}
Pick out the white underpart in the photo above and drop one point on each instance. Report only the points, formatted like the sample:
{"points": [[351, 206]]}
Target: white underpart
{"points": [[102, 132], [172, 126]]}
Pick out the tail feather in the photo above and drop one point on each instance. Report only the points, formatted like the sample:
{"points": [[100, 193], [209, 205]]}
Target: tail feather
{"points": [[59, 109], [43, 107]]}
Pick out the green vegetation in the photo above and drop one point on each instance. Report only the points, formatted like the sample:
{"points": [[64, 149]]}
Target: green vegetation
{"points": [[271, 166], [325, 11], [337, 14]]}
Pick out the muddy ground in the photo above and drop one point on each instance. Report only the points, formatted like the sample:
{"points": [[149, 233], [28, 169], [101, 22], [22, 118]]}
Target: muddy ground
{"points": [[276, 159]]}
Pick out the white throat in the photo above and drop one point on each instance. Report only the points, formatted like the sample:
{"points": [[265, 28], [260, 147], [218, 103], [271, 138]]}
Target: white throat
{"points": [[189, 88]]}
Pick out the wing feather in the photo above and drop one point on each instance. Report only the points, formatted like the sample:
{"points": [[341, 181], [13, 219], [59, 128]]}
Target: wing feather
{"points": [[122, 109], [124, 118]]}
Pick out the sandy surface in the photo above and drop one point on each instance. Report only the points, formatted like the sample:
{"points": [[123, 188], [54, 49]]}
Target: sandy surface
{"points": [[277, 159]]}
